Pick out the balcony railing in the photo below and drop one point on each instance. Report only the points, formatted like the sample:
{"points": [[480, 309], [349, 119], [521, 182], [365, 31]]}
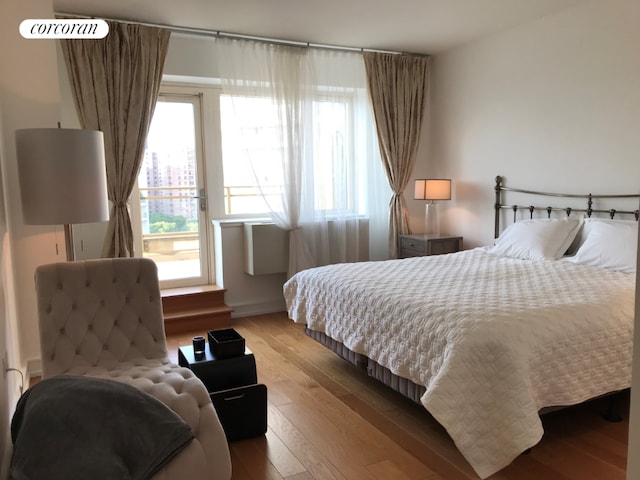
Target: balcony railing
{"points": [[245, 199]]}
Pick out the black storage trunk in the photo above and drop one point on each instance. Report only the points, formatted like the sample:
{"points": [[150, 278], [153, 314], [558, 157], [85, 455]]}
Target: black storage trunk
{"points": [[220, 373], [242, 411]]}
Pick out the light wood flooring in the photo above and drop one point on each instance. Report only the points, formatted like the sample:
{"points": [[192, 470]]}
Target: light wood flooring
{"points": [[328, 420]]}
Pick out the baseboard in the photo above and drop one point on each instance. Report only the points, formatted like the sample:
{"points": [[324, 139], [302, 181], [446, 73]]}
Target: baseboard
{"points": [[261, 308]]}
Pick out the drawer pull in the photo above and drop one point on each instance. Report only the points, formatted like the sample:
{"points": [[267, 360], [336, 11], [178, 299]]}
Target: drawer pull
{"points": [[237, 397]]}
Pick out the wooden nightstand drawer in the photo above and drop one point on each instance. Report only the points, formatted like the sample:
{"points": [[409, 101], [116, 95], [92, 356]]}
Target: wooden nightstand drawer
{"points": [[422, 245], [414, 243], [444, 245]]}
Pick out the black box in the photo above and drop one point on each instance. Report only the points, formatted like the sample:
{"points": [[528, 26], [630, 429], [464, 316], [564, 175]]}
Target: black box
{"points": [[220, 373], [226, 343], [242, 411]]}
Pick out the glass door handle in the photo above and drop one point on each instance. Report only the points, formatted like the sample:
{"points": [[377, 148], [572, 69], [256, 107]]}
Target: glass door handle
{"points": [[203, 199]]}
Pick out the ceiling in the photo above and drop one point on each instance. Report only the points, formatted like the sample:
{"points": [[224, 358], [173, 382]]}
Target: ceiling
{"points": [[418, 26]]}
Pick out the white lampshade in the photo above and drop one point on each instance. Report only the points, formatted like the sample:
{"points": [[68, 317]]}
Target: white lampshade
{"points": [[437, 189], [419, 189], [62, 176]]}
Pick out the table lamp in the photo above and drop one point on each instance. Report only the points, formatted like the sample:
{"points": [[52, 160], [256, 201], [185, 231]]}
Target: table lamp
{"points": [[432, 190]]}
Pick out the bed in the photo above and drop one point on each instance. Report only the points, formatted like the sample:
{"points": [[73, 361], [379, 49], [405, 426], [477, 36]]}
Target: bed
{"points": [[486, 339]]}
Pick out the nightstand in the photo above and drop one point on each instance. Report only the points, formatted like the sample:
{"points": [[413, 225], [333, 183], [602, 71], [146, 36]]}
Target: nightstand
{"points": [[423, 245]]}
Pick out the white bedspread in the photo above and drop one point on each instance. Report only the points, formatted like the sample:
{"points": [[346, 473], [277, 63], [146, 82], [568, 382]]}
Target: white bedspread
{"points": [[492, 339]]}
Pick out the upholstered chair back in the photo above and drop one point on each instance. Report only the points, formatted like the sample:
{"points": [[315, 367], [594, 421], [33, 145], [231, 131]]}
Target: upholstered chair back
{"points": [[99, 313]]}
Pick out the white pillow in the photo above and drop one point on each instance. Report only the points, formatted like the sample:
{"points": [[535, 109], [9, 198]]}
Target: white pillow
{"points": [[583, 233], [609, 244], [537, 239]]}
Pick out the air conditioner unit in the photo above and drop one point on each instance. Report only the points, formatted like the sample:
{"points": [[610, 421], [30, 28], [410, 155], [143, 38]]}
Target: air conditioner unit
{"points": [[266, 248]]}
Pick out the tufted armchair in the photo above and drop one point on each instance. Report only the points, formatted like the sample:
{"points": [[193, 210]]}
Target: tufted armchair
{"points": [[103, 318]]}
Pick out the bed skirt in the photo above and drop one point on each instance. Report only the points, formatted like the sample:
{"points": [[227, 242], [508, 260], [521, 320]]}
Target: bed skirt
{"points": [[373, 369], [412, 390]]}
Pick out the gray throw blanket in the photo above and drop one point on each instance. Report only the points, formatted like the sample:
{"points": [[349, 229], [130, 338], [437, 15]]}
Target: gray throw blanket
{"points": [[73, 427]]}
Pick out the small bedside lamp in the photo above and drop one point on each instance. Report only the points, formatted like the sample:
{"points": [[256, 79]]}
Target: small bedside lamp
{"points": [[431, 190]]}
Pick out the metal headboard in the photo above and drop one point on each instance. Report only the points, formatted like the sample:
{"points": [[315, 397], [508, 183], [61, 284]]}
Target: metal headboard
{"points": [[589, 210]]}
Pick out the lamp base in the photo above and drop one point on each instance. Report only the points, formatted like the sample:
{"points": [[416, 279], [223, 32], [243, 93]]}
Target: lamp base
{"points": [[68, 242], [431, 220]]}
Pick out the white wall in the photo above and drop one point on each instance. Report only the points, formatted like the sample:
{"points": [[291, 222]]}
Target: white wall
{"points": [[6, 399], [28, 98], [552, 105]]}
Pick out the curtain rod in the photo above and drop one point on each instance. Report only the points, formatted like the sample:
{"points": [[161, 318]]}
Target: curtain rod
{"points": [[218, 33]]}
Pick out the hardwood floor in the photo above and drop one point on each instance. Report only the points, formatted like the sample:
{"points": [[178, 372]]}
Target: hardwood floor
{"points": [[328, 420]]}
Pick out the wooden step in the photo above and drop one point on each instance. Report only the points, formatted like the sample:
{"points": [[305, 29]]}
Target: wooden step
{"points": [[195, 309]]}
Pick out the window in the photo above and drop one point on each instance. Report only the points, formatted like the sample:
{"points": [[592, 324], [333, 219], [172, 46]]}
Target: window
{"points": [[256, 119], [252, 116], [331, 142]]}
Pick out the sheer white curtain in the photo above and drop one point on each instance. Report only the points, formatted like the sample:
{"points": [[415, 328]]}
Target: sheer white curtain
{"points": [[350, 220], [304, 121]]}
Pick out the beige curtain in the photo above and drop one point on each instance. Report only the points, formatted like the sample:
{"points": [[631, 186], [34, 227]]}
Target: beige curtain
{"points": [[398, 88], [115, 82]]}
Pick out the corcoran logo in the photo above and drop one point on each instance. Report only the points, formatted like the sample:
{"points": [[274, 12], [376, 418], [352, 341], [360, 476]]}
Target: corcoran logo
{"points": [[64, 28]]}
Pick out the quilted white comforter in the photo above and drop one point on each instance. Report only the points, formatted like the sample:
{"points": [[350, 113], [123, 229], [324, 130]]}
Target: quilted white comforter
{"points": [[492, 339]]}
